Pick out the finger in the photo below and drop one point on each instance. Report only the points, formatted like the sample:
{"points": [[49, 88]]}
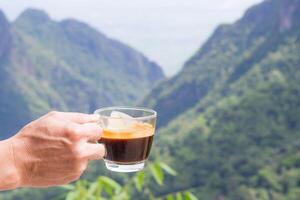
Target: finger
{"points": [[79, 118], [93, 151], [89, 132]]}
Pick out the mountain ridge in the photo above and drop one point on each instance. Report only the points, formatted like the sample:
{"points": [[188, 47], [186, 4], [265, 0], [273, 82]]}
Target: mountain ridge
{"points": [[68, 66], [233, 106], [215, 58]]}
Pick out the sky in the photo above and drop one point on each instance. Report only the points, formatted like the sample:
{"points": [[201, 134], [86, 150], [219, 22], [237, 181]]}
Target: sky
{"points": [[166, 31]]}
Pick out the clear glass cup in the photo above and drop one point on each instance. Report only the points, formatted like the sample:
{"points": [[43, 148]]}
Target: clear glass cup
{"points": [[128, 134]]}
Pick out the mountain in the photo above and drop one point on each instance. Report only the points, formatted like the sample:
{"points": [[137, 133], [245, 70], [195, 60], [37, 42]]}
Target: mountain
{"points": [[14, 110], [65, 65], [229, 120], [228, 55]]}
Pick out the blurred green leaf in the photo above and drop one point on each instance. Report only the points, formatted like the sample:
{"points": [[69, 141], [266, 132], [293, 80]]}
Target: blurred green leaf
{"points": [[111, 182], [121, 196], [111, 187], [71, 196], [157, 173], [179, 196], [167, 169], [170, 197], [139, 180], [189, 196], [67, 187], [93, 188]]}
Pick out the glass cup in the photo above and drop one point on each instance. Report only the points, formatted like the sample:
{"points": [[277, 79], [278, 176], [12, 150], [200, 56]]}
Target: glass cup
{"points": [[127, 135]]}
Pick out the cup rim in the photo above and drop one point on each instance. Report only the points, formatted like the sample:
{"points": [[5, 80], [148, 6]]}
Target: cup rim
{"points": [[153, 113]]}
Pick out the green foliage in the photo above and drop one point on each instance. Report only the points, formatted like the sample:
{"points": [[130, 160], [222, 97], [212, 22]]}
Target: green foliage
{"points": [[167, 168], [229, 120], [139, 180], [179, 196], [170, 197], [67, 66], [157, 173], [231, 117], [189, 196], [107, 189], [251, 149]]}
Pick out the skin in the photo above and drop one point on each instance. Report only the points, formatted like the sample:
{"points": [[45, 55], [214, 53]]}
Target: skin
{"points": [[52, 150]]}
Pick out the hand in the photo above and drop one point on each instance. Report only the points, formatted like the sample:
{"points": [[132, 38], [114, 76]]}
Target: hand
{"points": [[55, 149]]}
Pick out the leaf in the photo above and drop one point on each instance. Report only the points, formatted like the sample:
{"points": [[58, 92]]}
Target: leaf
{"points": [[122, 196], [71, 196], [110, 186], [67, 187], [189, 196], [157, 173], [111, 182], [168, 169], [91, 198], [93, 188], [108, 189], [179, 196], [99, 188], [170, 197], [81, 189], [139, 180]]}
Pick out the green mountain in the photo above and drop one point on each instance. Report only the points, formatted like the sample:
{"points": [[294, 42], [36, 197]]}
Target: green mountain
{"points": [[229, 121], [67, 65], [227, 56]]}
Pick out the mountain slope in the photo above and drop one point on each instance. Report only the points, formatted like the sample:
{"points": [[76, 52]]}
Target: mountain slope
{"points": [[230, 118], [66, 65], [14, 110], [236, 142], [228, 54]]}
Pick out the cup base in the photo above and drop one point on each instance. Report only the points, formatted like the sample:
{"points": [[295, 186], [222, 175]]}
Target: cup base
{"points": [[117, 167]]}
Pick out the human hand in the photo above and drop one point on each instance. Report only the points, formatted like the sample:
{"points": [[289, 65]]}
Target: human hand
{"points": [[55, 149]]}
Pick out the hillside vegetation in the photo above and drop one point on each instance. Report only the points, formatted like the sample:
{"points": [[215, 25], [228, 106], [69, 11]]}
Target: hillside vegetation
{"points": [[66, 65]]}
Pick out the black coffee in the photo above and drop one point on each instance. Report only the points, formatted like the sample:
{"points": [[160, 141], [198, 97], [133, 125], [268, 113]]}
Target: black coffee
{"points": [[127, 151]]}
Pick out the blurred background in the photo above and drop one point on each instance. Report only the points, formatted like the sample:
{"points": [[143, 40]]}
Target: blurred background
{"points": [[223, 76]]}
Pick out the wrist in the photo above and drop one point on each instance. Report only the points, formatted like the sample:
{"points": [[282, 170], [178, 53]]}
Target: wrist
{"points": [[10, 177]]}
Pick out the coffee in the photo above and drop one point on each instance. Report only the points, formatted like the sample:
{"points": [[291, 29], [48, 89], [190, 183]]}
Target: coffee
{"points": [[129, 145]]}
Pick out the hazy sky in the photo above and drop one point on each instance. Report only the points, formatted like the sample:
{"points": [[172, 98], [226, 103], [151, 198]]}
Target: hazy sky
{"points": [[167, 31]]}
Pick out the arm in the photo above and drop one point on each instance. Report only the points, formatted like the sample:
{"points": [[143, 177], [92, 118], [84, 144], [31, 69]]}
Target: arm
{"points": [[9, 176], [52, 150]]}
